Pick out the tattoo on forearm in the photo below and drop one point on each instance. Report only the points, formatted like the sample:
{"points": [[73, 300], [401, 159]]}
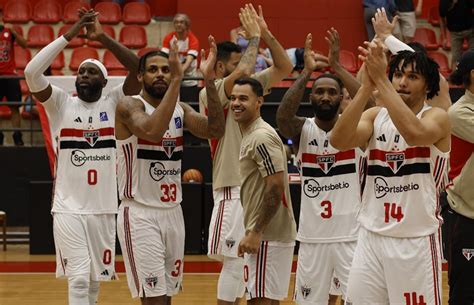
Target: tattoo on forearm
{"points": [[250, 56], [286, 113], [271, 203], [216, 119]]}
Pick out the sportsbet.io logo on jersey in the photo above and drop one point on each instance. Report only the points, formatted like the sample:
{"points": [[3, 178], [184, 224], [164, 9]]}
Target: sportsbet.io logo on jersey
{"points": [[158, 171], [79, 158], [381, 187], [312, 188]]}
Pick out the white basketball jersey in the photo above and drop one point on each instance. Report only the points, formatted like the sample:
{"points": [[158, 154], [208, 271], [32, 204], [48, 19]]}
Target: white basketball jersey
{"points": [[401, 194], [84, 136], [330, 187], [150, 173]]}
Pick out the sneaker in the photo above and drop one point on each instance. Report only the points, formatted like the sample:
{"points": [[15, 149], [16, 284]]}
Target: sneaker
{"points": [[1, 139], [17, 139]]}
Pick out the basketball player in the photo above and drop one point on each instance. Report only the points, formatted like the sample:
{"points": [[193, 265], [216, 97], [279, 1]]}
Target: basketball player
{"points": [[270, 227], [330, 185], [85, 200], [149, 130], [226, 228], [407, 147]]}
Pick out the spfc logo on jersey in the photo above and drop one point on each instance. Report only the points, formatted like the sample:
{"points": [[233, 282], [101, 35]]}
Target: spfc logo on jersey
{"points": [[169, 146], [305, 291], [395, 161], [326, 162], [91, 136], [151, 281], [468, 253], [230, 243]]}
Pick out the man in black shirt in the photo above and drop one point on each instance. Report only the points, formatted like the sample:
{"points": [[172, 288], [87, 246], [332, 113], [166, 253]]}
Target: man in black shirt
{"points": [[457, 17]]}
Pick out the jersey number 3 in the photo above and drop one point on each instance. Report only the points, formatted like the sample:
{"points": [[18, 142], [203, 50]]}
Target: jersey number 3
{"points": [[327, 212]]}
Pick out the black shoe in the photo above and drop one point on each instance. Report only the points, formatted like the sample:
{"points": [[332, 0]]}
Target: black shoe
{"points": [[1, 139], [17, 139]]}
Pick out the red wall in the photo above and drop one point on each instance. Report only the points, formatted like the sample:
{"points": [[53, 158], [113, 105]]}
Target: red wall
{"points": [[289, 21]]}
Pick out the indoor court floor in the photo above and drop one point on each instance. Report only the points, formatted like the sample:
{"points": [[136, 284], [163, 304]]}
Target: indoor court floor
{"points": [[30, 280]]}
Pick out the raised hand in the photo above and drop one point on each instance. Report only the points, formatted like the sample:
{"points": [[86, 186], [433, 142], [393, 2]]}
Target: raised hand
{"points": [[375, 60], [259, 17], [249, 22], [334, 44], [383, 28], [208, 64], [176, 68], [94, 31], [86, 18], [312, 60]]}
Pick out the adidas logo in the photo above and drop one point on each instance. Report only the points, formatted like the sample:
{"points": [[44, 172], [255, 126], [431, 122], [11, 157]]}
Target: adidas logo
{"points": [[105, 273], [314, 143], [78, 120], [382, 138]]}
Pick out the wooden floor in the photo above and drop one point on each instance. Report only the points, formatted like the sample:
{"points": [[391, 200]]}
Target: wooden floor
{"points": [[44, 289]]}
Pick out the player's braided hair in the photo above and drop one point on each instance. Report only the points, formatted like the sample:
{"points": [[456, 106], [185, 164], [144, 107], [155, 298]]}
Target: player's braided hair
{"points": [[420, 63]]}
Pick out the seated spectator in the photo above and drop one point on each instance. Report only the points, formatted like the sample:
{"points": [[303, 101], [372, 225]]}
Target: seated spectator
{"points": [[188, 46], [407, 14], [10, 87], [457, 17]]}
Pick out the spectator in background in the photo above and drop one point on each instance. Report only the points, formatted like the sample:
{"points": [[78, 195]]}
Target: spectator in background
{"points": [[459, 220], [457, 17], [407, 14], [188, 46], [370, 8], [10, 87]]}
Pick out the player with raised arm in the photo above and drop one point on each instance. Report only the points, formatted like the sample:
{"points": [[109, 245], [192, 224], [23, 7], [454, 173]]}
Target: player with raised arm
{"points": [[149, 130], [85, 193]]}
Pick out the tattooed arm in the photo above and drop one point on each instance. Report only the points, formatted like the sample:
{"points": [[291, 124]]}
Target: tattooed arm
{"points": [[246, 65], [288, 123], [212, 126]]}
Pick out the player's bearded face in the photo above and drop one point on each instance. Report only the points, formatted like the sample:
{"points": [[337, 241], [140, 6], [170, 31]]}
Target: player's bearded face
{"points": [[157, 88], [89, 83], [325, 99]]}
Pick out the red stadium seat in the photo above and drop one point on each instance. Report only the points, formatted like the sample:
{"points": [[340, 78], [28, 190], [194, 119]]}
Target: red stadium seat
{"points": [[5, 112], [427, 37], [18, 29], [70, 11], [442, 61], [136, 13], [23, 86], [47, 11], [143, 51], [107, 29], [28, 115], [17, 12], [76, 42], [133, 36], [433, 16], [348, 61], [58, 63], [111, 62], [22, 57], [40, 35], [79, 55], [109, 12]]}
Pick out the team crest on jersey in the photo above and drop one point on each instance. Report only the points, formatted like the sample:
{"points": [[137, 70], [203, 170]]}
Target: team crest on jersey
{"points": [[91, 136], [395, 160], [169, 146], [305, 291], [230, 243], [468, 253], [326, 162], [151, 281]]}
